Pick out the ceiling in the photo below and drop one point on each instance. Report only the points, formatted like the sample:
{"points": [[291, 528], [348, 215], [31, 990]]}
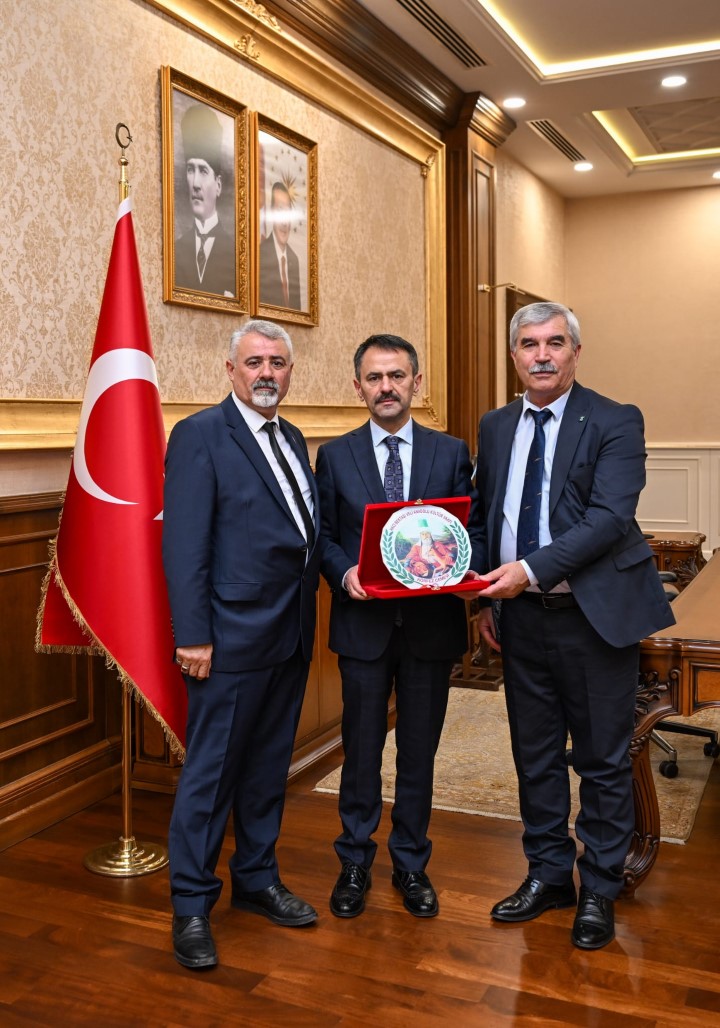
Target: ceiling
{"points": [[590, 72]]}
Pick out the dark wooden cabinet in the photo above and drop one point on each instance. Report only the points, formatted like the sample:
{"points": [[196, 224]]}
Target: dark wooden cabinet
{"points": [[679, 552]]}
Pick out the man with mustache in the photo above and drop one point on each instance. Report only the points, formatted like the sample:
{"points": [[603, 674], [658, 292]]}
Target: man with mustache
{"points": [[559, 475], [409, 644], [205, 255], [241, 563]]}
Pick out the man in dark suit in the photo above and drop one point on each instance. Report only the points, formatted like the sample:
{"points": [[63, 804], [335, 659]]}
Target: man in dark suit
{"points": [[409, 643], [559, 475], [205, 255], [279, 264], [242, 571]]}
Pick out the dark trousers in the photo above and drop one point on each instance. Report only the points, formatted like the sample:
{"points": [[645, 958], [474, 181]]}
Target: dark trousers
{"points": [[241, 729], [561, 676], [421, 689]]}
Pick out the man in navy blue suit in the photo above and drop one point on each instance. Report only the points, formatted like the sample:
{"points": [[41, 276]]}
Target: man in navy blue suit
{"points": [[242, 570], [409, 644], [579, 590]]}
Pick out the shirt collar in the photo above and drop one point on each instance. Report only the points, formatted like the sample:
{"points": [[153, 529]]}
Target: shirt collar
{"points": [[556, 408], [379, 435], [253, 418], [208, 225]]}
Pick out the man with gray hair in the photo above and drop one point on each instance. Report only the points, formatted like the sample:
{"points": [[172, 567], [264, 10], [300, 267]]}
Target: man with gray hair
{"points": [[241, 564], [559, 475]]}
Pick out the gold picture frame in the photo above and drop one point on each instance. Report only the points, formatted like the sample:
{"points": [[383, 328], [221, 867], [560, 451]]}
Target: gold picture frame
{"points": [[205, 196], [285, 237]]}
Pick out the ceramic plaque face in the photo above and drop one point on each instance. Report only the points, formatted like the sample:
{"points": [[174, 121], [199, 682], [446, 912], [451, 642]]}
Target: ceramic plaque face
{"points": [[425, 547]]}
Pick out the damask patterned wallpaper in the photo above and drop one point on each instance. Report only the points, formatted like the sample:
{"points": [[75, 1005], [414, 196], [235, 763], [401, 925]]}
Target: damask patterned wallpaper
{"points": [[70, 71]]}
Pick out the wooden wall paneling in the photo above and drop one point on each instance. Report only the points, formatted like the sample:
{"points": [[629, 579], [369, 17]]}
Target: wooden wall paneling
{"points": [[59, 713], [470, 275]]}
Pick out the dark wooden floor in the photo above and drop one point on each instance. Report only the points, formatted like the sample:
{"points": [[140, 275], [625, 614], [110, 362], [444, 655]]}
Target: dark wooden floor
{"points": [[82, 949]]}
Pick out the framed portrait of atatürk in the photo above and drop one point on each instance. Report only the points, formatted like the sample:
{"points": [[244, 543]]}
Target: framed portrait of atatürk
{"points": [[285, 238], [205, 150]]}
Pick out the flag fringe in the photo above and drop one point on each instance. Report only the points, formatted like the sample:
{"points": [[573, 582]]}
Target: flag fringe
{"points": [[95, 648]]}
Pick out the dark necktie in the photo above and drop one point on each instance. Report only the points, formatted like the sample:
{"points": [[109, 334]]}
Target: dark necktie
{"points": [[201, 256], [280, 457], [283, 277], [528, 526], [393, 480]]}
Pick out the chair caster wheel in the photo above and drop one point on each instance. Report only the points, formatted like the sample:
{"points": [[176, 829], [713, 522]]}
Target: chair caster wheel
{"points": [[668, 769], [711, 749]]}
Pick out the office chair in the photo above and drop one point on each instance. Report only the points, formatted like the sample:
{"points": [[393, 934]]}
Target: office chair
{"points": [[669, 768]]}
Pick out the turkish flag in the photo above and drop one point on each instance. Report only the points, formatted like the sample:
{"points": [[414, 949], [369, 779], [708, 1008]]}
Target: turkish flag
{"points": [[105, 588]]}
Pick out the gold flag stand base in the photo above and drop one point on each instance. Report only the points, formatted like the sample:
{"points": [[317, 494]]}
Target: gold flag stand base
{"points": [[126, 858]]}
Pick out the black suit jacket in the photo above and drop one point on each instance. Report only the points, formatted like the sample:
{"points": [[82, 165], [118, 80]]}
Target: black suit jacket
{"points": [[597, 476], [270, 282], [219, 276], [236, 563], [348, 479]]}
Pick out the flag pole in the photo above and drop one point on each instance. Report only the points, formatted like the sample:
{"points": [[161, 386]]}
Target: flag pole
{"points": [[127, 857]]}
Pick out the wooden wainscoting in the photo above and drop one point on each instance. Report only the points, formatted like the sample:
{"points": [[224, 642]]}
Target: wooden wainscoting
{"points": [[59, 714], [682, 493]]}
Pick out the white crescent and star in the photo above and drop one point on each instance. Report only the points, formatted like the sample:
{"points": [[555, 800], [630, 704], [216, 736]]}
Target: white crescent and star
{"points": [[110, 369]]}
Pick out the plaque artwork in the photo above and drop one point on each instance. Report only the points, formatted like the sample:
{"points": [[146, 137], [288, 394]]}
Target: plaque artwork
{"points": [[425, 547]]}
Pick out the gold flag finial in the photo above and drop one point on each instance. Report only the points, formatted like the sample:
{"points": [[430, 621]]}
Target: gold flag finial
{"points": [[123, 184]]}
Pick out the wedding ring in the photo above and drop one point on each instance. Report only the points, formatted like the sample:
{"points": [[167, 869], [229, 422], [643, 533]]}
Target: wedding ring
{"points": [[184, 667]]}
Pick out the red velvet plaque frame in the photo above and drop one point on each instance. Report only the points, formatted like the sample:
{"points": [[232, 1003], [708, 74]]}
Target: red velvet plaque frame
{"points": [[375, 578]]}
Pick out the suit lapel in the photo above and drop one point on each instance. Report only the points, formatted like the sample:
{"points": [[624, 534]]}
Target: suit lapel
{"points": [[361, 447], [423, 455], [575, 418], [507, 421], [290, 433], [242, 435]]}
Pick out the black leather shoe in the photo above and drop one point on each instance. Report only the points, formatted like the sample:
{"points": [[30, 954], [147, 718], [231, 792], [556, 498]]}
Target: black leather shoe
{"points": [[348, 896], [532, 899], [193, 942], [416, 887], [277, 904], [595, 920]]}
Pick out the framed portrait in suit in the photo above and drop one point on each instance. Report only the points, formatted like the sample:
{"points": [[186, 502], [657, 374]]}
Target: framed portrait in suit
{"points": [[286, 245], [205, 187]]}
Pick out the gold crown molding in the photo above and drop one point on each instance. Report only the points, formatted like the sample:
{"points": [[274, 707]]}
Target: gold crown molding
{"points": [[352, 35], [52, 424], [259, 12], [224, 23]]}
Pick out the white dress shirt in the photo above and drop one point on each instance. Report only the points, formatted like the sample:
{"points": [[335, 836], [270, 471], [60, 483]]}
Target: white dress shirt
{"points": [[255, 421], [516, 476], [405, 435]]}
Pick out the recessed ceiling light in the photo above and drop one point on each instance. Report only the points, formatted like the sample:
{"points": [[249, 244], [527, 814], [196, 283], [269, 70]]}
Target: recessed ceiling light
{"points": [[673, 81], [513, 102], [583, 166]]}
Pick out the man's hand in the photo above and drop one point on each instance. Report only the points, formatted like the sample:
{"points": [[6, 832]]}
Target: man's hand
{"points": [[469, 594], [194, 660], [486, 628], [507, 581], [352, 585]]}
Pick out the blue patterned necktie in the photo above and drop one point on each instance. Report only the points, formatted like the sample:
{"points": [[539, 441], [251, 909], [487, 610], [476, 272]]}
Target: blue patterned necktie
{"points": [[528, 526], [393, 480]]}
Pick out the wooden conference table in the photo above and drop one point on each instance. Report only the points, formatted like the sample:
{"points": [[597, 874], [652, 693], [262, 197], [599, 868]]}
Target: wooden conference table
{"points": [[679, 674]]}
